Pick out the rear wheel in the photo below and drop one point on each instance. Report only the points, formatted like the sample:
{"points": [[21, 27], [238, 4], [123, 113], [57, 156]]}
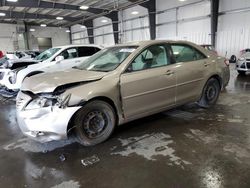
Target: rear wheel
{"points": [[94, 122], [243, 73], [210, 93]]}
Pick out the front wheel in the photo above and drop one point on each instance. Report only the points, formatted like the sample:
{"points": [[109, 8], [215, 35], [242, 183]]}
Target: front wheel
{"points": [[243, 73], [210, 93], [94, 122]]}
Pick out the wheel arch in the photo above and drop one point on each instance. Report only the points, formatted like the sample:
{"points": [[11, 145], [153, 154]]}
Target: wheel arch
{"points": [[33, 73], [100, 98], [217, 77]]}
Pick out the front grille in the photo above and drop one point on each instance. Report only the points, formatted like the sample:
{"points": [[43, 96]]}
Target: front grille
{"points": [[248, 60], [1, 75]]}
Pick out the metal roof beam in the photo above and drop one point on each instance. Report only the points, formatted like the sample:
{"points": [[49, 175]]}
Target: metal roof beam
{"points": [[46, 4], [23, 15]]}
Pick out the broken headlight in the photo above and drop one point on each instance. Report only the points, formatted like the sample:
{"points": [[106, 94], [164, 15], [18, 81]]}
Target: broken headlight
{"points": [[40, 102], [43, 102]]}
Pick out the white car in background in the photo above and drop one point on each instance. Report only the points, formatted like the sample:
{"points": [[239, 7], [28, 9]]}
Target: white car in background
{"points": [[17, 55], [52, 60], [243, 63]]}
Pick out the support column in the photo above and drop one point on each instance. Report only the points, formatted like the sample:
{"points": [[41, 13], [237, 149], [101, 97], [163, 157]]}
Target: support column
{"points": [[90, 30], [214, 20], [115, 23], [151, 6]]}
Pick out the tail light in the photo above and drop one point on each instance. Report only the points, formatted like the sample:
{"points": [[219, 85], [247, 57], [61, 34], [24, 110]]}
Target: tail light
{"points": [[226, 61]]}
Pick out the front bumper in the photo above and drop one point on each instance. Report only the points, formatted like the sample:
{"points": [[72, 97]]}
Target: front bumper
{"points": [[45, 124], [243, 66]]}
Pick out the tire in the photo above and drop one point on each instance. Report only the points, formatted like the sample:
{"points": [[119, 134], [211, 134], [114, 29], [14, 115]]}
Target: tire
{"points": [[210, 93], [95, 122], [243, 73]]}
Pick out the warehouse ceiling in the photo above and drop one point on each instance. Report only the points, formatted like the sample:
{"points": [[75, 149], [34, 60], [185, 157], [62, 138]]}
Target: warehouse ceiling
{"points": [[58, 12]]}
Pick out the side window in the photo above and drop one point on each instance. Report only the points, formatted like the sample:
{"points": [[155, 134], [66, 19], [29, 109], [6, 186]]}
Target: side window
{"points": [[87, 51], [154, 56], [185, 53], [69, 53]]}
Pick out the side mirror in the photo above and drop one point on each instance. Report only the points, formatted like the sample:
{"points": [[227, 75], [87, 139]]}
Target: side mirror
{"points": [[59, 58]]}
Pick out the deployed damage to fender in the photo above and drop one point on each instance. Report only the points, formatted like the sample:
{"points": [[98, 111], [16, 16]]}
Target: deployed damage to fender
{"points": [[39, 104]]}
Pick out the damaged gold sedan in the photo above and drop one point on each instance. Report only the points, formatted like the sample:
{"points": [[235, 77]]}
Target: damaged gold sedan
{"points": [[117, 85]]}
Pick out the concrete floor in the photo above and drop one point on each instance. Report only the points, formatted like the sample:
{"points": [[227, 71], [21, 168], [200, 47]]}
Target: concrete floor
{"points": [[186, 147]]}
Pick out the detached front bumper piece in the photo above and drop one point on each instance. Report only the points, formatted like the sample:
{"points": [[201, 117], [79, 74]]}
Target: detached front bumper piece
{"points": [[45, 124]]}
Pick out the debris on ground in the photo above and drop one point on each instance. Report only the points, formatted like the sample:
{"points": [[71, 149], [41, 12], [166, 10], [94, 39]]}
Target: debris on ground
{"points": [[90, 160], [62, 158]]}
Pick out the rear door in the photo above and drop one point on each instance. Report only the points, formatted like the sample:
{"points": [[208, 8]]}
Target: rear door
{"points": [[191, 66], [149, 83]]}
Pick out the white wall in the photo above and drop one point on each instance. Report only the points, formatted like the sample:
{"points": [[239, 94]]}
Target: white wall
{"points": [[9, 39], [101, 30], [131, 23], [190, 22], [233, 28], [58, 36], [79, 34]]}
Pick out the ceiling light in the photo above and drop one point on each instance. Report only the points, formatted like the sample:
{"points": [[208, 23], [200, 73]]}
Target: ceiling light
{"points": [[84, 7], [2, 14], [135, 12], [59, 18], [182, 0], [68, 31], [12, 1], [43, 25], [32, 30], [104, 21]]}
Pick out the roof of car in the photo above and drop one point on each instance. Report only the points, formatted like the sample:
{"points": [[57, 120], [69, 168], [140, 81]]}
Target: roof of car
{"points": [[148, 42], [79, 45]]}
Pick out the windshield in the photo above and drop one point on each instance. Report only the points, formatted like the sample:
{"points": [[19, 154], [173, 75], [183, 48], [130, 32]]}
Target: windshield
{"points": [[107, 59], [47, 54]]}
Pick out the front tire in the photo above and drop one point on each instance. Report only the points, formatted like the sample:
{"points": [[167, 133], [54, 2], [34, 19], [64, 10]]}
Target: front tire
{"points": [[243, 73], [210, 93], [94, 122]]}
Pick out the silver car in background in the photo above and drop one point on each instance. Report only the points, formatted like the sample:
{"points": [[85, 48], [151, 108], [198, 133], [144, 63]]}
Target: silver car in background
{"points": [[243, 63]]}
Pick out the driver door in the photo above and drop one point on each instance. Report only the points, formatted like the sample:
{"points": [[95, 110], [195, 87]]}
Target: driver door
{"points": [[149, 83]]}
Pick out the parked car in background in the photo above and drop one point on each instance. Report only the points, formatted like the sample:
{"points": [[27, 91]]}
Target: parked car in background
{"points": [[17, 55], [209, 47], [1, 54], [117, 85], [33, 54], [51, 60], [243, 63]]}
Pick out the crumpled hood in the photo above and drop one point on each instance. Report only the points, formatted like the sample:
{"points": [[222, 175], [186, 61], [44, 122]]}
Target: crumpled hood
{"points": [[16, 63], [48, 82]]}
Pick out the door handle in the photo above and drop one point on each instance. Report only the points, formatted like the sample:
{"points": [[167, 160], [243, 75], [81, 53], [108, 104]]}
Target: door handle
{"points": [[169, 73], [206, 64], [78, 61]]}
